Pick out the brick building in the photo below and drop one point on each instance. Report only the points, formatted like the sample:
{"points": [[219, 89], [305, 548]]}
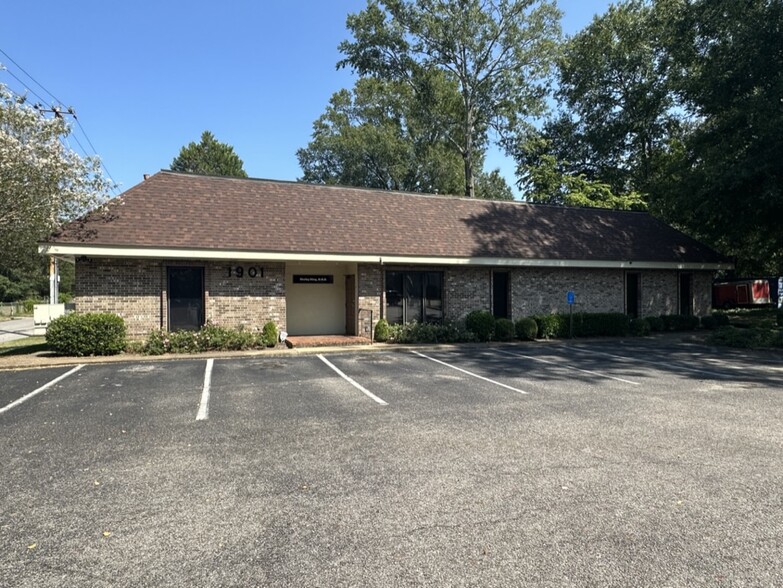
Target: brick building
{"points": [[178, 250]]}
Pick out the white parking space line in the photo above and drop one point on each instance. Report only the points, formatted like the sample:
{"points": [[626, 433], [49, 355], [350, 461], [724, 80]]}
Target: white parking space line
{"points": [[459, 369], [668, 366], [352, 382], [37, 391], [568, 366], [203, 407]]}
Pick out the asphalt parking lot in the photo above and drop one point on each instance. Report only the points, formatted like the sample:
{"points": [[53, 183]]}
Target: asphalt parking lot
{"points": [[575, 464]]}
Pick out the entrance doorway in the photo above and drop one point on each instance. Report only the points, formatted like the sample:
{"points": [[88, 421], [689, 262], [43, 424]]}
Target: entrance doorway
{"points": [[500, 294], [186, 298], [350, 305]]}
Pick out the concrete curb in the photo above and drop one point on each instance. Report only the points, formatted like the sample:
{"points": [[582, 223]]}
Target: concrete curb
{"points": [[43, 360]]}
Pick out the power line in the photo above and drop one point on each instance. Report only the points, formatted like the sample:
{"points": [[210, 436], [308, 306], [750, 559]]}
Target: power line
{"points": [[57, 112]]}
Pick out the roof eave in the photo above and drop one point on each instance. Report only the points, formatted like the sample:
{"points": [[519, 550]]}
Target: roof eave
{"points": [[115, 251]]}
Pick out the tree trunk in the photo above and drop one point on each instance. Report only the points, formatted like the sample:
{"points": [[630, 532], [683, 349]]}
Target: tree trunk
{"points": [[467, 155]]}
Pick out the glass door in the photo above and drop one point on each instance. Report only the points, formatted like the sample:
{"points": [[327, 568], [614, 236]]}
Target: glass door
{"points": [[186, 298]]}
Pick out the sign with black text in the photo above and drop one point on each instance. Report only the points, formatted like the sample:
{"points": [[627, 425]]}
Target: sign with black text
{"points": [[310, 279]]}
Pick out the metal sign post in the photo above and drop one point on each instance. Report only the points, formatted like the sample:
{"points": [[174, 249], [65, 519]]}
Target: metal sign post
{"points": [[571, 298]]}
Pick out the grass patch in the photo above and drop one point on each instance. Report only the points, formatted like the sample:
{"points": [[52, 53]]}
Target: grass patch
{"points": [[26, 346], [752, 318]]}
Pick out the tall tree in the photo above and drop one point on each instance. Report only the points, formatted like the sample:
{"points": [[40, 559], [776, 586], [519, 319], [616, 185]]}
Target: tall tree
{"points": [[726, 179], [617, 111], [42, 182], [209, 157], [377, 137], [497, 52]]}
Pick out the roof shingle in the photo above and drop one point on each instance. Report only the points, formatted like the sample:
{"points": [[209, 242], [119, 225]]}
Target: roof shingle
{"points": [[174, 210]]}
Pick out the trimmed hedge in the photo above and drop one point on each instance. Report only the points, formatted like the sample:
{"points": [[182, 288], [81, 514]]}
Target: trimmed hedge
{"points": [[270, 334], [527, 329], [414, 332], [656, 323], [91, 333], [639, 327], [596, 324], [551, 326], [779, 316], [679, 322], [505, 330], [482, 324], [209, 338], [382, 331]]}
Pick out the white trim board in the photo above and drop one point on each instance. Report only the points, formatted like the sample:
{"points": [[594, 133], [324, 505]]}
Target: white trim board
{"points": [[65, 250]]}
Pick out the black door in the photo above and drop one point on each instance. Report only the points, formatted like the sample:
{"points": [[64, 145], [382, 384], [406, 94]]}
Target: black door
{"points": [[186, 298], [686, 298], [500, 294], [632, 295]]}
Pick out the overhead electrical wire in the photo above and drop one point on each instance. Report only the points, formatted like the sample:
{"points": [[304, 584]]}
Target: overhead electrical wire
{"points": [[53, 108]]}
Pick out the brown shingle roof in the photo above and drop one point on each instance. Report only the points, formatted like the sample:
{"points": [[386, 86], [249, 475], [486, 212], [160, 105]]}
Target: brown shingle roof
{"points": [[173, 210]]}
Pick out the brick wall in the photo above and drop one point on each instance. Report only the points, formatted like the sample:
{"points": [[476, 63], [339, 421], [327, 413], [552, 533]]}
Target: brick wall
{"points": [[702, 293], [129, 288], [247, 302], [464, 290], [136, 290], [544, 290], [370, 288]]}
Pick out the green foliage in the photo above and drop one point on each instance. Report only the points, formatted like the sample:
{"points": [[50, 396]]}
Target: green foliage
{"points": [[527, 328], [482, 324], [493, 186], [382, 331], [708, 322], [184, 342], [415, 332], [270, 334], [639, 327], [751, 338], [209, 338], [505, 330], [601, 324], [209, 157], [721, 319], [779, 317], [496, 53], [43, 183], [679, 322], [87, 334], [552, 326], [656, 323], [379, 136]]}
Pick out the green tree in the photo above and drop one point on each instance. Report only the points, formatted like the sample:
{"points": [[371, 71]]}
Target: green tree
{"points": [[725, 179], [377, 137], [617, 110], [42, 185], [497, 52], [209, 157], [493, 186]]}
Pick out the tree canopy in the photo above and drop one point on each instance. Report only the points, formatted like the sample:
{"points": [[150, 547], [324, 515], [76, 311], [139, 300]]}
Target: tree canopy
{"points": [[209, 157], [497, 54], [676, 105], [43, 183]]}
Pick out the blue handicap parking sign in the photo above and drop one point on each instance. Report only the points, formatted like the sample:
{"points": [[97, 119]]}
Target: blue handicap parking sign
{"points": [[571, 297]]}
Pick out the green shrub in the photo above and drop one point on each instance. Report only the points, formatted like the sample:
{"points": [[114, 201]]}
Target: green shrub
{"points": [[505, 330], [639, 327], [382, 330], [29, 303], [679, 322], [721, 319], [600, 324], [708, 322], [527, 328], [656, 323], [270, 334], [414, 332], [779, 315], [747, 338], [87, 334], [157, 343], [482, 323], [552, 326], [183, 342]]}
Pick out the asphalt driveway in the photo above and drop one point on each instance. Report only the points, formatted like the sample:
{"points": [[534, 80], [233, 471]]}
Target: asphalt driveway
{"points": [[603, 464]]}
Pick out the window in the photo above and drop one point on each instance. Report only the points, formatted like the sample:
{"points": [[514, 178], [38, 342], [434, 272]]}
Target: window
{"points": [[414, 296]]}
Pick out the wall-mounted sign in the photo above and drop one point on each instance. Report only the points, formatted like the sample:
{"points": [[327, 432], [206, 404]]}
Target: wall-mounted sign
{"points": [[302, 279]]}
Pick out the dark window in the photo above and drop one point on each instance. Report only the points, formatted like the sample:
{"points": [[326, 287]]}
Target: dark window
{"points": [[686, 297], [414, 296], [632, 294], [500, 294], [186, 298]]}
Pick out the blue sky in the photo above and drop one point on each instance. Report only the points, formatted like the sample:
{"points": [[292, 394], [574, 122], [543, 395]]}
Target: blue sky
{"points": [[146, 78]]}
